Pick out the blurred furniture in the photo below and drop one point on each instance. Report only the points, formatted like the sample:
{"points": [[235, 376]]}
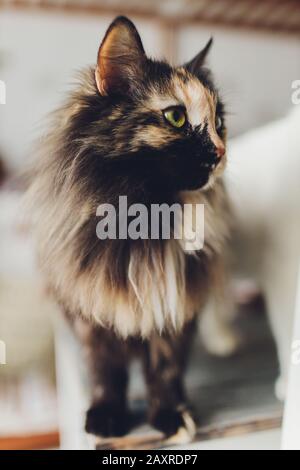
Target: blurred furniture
{"points": [[28, 413], [291, 424], [268, 15], [28, 409]]}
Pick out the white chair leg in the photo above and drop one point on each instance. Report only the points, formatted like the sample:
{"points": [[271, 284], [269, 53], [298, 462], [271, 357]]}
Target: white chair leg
{"points": [[291, 422], [72, 390]]}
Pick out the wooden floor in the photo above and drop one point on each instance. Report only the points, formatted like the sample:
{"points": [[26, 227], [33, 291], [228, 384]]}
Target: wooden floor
{"points": [[231, 396]]}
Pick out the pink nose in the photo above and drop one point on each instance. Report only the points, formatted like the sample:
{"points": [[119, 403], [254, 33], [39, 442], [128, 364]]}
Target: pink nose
{"points": [[220, 151]]}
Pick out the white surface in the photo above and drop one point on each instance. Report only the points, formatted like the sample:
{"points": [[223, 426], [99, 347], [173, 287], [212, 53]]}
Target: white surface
{"points": [[267, 228], [71, 391], [291, 425], [266, 440]]}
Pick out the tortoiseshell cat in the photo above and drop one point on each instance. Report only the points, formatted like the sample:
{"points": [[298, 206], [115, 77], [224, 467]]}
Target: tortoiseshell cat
{"points": [[155, 133]]}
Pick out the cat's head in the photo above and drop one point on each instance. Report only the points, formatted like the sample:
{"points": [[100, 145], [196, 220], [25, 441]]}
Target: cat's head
{"points": [[163, 124]]}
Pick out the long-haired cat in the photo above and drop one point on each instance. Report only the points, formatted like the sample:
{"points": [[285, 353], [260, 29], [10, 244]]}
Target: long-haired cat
{"points": [[156, 134]]}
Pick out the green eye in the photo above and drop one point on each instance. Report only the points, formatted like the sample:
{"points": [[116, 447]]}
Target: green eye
{"points": [[175, 116]]}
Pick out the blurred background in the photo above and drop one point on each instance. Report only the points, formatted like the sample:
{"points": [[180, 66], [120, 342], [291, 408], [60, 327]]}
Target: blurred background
{"points": [[255, 59]]}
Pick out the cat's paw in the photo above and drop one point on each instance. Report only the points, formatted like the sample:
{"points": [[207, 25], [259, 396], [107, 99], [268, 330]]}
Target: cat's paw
{"points": [[177, 424], [107, 419]]}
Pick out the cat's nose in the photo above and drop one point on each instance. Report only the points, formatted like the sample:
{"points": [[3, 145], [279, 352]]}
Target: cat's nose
{"points": [[218, 145], [220, 150]]}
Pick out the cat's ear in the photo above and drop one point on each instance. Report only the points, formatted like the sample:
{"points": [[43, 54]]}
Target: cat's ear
{"points": [[197, 62], [120, 58]]}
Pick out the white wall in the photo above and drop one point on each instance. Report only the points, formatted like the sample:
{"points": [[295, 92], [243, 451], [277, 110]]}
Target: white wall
{"points": [[41, 55], [254, 71], [42, 51]]}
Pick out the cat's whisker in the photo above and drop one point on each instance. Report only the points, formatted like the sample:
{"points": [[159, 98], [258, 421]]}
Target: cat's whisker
{"points": [[146, 133]]}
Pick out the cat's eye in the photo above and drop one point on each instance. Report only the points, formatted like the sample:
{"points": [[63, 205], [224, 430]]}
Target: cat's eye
{"points": [[219, 123], [175, 116]]}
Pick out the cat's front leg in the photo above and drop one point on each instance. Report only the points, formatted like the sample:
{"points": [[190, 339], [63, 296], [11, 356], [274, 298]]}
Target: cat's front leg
{"points": [[165, 358], [107, 358]]}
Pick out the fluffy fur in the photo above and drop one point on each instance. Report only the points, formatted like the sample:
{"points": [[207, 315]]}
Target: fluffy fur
{"points": [[111, 139]]}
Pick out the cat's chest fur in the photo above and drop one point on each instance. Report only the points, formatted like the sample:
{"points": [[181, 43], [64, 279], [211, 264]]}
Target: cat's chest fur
{"points": [[165, 287]]}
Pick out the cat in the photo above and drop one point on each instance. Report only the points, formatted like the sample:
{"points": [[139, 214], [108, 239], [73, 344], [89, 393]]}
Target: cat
{"points": [[262, 182], [155, 133]]}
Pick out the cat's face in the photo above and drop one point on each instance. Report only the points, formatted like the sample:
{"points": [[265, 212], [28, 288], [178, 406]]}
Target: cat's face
{"points": [[163, 124]]}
